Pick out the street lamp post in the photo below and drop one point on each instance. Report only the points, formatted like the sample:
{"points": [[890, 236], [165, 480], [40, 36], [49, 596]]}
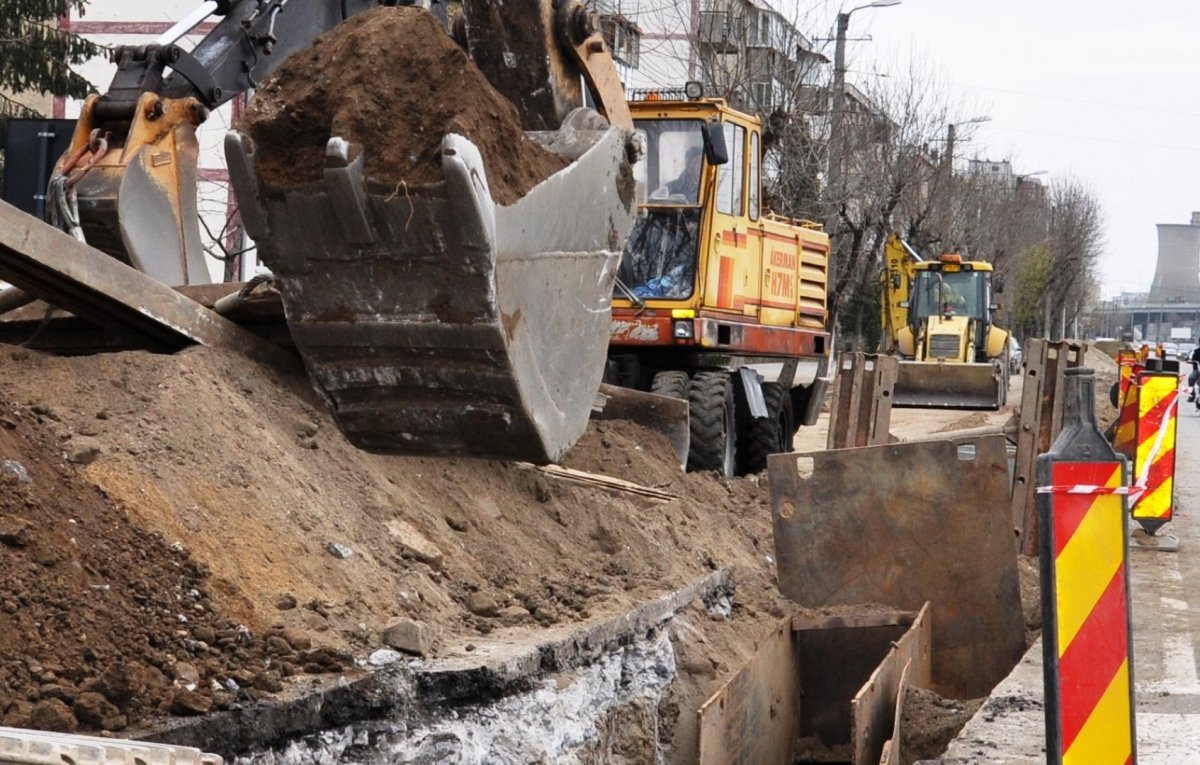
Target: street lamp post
{"points": [[836, 148]]}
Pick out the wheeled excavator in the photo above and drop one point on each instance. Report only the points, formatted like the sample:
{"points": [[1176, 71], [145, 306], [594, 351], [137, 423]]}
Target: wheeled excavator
{"points": [[365, 276]]}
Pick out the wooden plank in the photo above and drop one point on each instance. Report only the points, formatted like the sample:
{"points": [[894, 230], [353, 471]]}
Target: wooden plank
{"points": [[754, 719], [873, 710], [903, 524], [599, 481], [55, 267]]}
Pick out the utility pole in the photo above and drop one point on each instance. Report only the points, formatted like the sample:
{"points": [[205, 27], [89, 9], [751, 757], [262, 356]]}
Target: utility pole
{"points": [[835, 187], [834, 192]]}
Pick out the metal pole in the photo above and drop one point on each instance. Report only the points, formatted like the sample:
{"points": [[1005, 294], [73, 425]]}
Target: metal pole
{"points": [[834, 191]]}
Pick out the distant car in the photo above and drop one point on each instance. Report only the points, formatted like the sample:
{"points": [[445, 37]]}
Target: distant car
{"points": [[1170, 351], [1015, 357]]}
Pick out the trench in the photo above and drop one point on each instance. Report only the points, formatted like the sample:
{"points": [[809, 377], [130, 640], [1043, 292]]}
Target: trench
{"points": [[817, 688]]}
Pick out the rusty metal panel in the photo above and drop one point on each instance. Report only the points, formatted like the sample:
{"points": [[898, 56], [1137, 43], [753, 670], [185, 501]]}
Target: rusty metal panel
{"points": [[861, 413], [1024, 487], [838, 654], [59, 269], [755, 718], [891, 748], [903, 524], [874, 709], [1041, 416]]}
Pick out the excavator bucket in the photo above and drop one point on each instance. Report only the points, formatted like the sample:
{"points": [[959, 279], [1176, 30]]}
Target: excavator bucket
{"points": [[434, 321], [947, 385], [138, 202]]}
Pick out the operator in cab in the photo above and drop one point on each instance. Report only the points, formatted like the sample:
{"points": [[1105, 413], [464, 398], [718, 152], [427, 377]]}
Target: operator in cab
{"points": [[685, 188]]}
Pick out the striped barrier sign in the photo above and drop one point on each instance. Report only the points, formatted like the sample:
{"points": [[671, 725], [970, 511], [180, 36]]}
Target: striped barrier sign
{"points": [[1153, 498], [1086, 638], [1125, 433]]}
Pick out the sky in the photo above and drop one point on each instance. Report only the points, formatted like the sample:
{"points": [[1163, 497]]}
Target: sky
{"points": [[1101, 91]]}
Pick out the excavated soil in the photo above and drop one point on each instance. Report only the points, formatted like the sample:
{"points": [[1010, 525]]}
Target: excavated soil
{"points": [[929, 723], [104, 623], [391, 81], [221, 521]]}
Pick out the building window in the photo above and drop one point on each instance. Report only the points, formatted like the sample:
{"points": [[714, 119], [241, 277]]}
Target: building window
{"points": [[623, 38], [759, 31]]}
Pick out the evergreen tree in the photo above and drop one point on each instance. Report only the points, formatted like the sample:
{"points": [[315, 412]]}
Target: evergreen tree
{"points": [[36, 56]]}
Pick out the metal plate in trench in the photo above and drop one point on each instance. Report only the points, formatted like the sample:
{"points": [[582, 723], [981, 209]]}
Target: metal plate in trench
{"points": [[903, 524], [755, 717]]}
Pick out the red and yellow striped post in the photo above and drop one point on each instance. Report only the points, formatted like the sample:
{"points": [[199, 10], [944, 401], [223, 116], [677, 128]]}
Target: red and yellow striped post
{"points": [[1153, 496], [1085, 584]]}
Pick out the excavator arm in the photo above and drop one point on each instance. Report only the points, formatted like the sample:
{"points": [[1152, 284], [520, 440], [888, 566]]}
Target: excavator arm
{"points": [[128, 184]]}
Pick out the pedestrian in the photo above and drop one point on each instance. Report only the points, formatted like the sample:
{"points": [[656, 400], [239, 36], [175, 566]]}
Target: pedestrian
{"points": [[1194, 375]]}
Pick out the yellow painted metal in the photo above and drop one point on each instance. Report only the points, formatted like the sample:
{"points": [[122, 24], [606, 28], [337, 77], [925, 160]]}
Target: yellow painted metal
{"points": [[768, 267], [138, 201]]}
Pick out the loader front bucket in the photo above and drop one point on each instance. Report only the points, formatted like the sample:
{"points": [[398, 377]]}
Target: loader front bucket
{"points": [[433, 321], [946, 385]]}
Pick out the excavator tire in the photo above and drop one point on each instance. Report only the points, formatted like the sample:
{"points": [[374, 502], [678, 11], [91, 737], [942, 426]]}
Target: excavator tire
{"points": [[713, 430], [671, 384], [772, 434]]}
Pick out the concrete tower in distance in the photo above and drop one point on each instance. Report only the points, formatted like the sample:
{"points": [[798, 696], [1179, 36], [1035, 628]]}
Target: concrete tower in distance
{"points": [[1177, 276]]}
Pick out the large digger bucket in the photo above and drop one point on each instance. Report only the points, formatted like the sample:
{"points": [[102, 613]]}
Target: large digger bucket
{"points": [[433, 321], [949, 385]]}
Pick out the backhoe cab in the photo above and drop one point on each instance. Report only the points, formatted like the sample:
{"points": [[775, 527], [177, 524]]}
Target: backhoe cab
{"points": [[938, 317]]}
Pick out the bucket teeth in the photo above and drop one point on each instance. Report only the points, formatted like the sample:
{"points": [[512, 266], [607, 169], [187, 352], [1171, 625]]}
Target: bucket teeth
{"points": [[347, 191]]}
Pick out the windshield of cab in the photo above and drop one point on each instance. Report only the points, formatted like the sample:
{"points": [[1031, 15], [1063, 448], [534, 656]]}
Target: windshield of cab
{"points": [[670, 171], [954, 293]]}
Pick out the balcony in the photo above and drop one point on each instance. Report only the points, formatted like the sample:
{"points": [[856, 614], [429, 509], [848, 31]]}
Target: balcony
{"points": [[719, 32]]}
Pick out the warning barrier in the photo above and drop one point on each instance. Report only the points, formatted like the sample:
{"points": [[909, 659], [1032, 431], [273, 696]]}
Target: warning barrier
{"points": [[1085, 580], [1153, 498], [1125, 434]]}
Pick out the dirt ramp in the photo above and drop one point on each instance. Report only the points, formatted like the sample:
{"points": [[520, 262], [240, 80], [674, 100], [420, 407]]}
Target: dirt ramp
{"points": [[392, 81]]}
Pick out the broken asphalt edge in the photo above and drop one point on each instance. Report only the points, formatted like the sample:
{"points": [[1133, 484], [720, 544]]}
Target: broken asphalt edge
{"points": [[418, 690]]}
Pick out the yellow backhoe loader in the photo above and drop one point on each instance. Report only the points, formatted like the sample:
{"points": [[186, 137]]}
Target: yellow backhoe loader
{"points": [[937, 316]]}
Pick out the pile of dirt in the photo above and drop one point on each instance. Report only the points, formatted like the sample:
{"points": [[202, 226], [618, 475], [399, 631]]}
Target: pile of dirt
{"points": [[103, 623], [221, 466], [392, 82], [928, 723]]}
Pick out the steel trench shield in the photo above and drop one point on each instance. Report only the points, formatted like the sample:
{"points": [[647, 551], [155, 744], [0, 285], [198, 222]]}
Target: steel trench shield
{"points": [[903, 524]]}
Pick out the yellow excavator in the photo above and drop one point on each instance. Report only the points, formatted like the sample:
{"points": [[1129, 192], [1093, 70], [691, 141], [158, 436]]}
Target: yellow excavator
{"points": [[937, 317], [431, 322]]}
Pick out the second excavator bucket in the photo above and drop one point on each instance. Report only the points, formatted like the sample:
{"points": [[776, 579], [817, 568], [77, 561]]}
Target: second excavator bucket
{"points": [[435, 321], [137, 201], [949, 385]]}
